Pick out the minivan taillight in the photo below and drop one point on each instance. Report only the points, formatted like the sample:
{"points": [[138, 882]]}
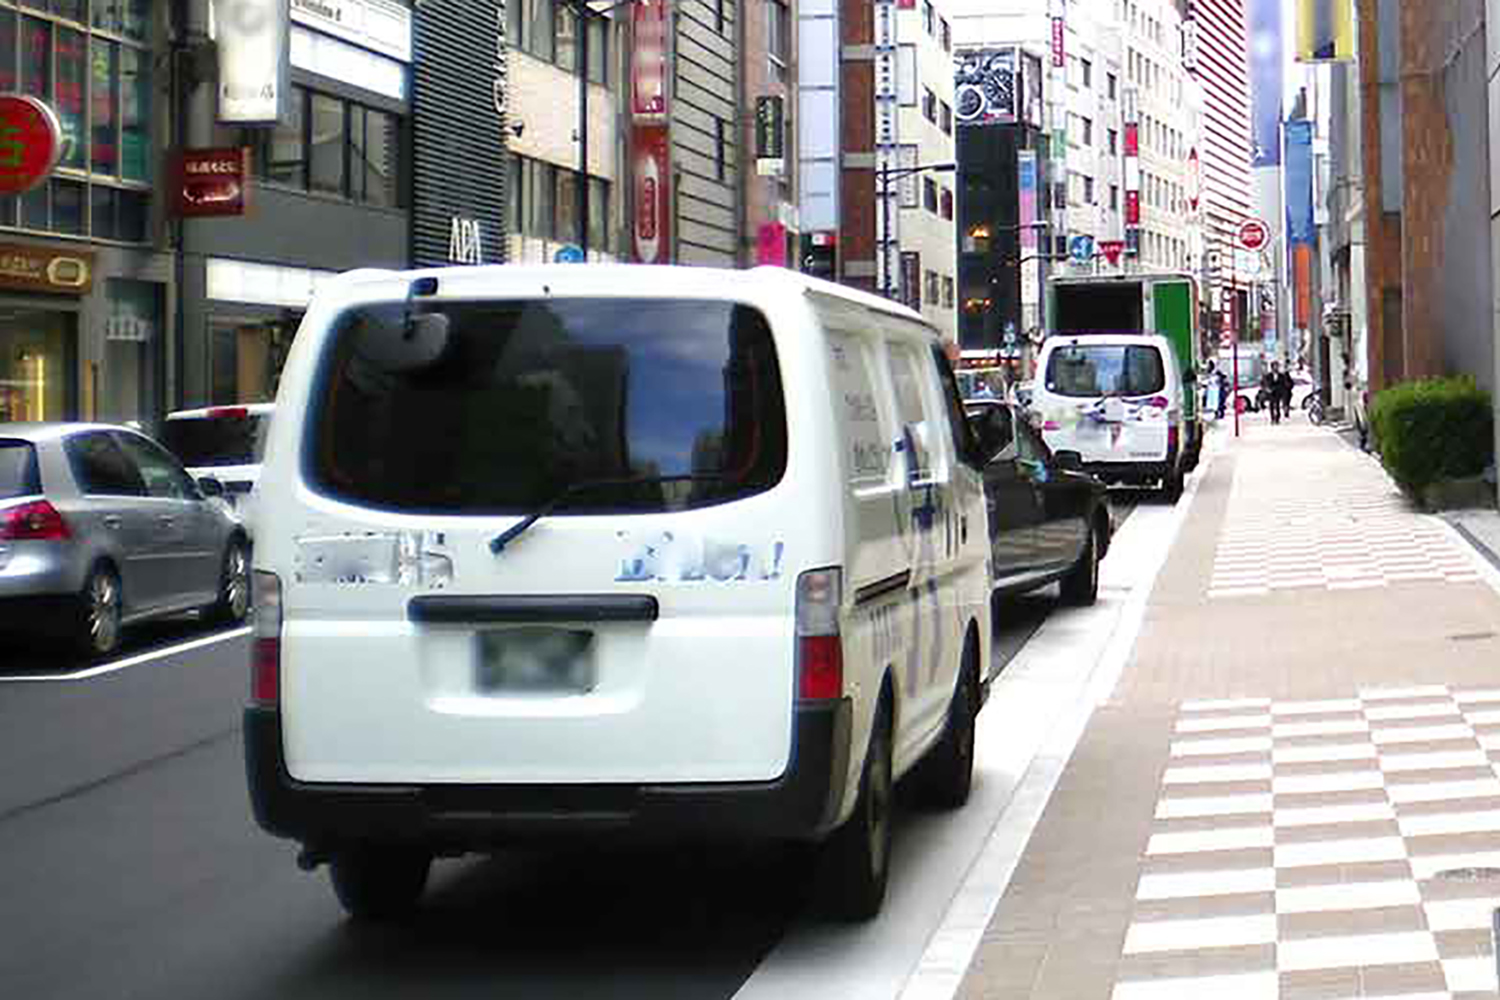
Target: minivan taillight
{"points": [[265, 649], [820, 648], [37, 521]]}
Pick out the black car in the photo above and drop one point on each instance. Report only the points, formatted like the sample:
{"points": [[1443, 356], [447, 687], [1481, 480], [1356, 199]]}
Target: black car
{"points": [[1049, 520]]}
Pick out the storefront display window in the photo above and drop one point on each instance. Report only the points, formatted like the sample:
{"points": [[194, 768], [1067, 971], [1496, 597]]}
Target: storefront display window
{"points": [[96, 75], [246, 359], [36, 365], [132, 331]]}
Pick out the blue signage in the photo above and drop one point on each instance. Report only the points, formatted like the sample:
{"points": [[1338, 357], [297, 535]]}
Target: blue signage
{"points": [[1081, 249], [1299, 183], [569, 254], [1266, 82]]}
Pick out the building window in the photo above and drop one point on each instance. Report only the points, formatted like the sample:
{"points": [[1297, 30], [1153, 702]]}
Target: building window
{"points": [[1114, 197], [947, 204], [931, 282], [929, 18], [929, 105], [1088, 132], [543, 202], [1114, 141], [947, 292], [945, 117], [333, 147], [778, 32], [946, 31], [719, 16], [1086, 69], [929, 194], [721, 153], [96, 75], [1088, 190], [548, 29], [1112, 86]]}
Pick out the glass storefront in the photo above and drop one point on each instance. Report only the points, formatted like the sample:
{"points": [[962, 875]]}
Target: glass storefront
{"points": [[247, 357], [37, 365]]}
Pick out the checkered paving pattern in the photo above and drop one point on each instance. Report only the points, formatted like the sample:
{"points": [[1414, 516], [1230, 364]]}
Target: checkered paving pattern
{"points": [[1308, 515], [1323, 849]]}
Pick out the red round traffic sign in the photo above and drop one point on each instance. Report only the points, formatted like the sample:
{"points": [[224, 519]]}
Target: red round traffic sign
{"points": [[31, 143], [1254, 234]]}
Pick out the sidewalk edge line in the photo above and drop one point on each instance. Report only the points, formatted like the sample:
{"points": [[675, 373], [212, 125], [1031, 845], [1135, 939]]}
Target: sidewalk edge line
{"points": [[940, 972], [130, 661], [1485, 560]]}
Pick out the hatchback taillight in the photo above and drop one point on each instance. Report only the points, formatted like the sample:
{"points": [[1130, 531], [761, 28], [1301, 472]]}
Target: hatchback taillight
{"points": [[37, 521], [820, 648], [265, 649]]}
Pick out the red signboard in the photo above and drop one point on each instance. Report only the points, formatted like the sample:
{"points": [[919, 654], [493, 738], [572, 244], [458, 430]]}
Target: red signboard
{"points": [[770, 244], [648, 74], [1254, 234], [1132, 139], [1112, 250], [208, 182], [1194, 180], [1132, 208], [1059, 35], [30, 143], [652, 183]]}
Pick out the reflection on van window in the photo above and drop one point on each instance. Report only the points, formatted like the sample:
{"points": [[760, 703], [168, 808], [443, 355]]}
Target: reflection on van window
{"points": [[1106, 369], [521, 399]]}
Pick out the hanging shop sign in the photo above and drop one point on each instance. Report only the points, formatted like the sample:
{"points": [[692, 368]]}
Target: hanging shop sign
{"points": [[31, 143], [209, 182], [252, 39], [648, 74], [652, 178], [39, 269]]}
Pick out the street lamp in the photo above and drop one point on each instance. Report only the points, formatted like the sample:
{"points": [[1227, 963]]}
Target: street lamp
{"points": [[885, 177], [582, 11]]}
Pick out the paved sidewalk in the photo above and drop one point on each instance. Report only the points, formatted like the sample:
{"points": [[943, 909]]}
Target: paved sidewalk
{"points": [[1292, 792]]}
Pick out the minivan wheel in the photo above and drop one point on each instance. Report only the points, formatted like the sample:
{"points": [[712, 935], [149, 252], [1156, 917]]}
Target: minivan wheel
{"points": [[100, 612], [376, 883], [947, 773], [859, 854], [1171, 486], [1081, 585], [234, 585]]}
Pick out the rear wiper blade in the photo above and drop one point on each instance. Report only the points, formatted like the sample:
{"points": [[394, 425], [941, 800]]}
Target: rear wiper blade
{"points": [[500, 541]]}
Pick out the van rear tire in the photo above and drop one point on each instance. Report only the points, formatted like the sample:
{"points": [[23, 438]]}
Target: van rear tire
{"points": [[1171, 486], [857, 859], [379, 884]]}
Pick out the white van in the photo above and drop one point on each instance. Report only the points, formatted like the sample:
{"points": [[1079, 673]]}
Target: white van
{"points": [[609, 550], [1116, 400]]}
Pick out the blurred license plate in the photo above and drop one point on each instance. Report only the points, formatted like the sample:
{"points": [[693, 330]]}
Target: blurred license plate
{"points": [[535, 661]]}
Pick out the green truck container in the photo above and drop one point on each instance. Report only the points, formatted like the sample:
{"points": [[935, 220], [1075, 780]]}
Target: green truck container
{"points": [[1165, 304]]}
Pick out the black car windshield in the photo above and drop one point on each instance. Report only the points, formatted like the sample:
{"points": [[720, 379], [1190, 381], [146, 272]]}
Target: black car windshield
{"points": [[18, 474], [217, 440], [503, 405], [1105, 370]]}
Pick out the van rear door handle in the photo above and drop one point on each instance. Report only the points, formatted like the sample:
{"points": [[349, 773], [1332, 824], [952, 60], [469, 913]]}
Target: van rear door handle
{"points": [[111, 520]]}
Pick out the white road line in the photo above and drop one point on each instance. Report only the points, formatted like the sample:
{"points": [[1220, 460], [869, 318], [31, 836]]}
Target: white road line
{"points": [[131, 661]]}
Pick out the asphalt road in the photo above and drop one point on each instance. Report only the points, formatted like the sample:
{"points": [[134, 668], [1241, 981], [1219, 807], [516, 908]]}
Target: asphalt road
{"points": [[131, 866]]}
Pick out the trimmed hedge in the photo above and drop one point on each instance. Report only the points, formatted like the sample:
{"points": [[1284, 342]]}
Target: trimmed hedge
{"points": [[1432, 430]]}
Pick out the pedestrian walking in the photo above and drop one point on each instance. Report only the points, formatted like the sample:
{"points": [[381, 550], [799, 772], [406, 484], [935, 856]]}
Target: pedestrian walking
{"points": [[1270, 391], [1224, 393], [1284, 387]]}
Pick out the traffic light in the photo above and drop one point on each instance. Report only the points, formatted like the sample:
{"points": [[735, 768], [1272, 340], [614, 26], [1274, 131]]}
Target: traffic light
{"points": [[820, 255]]}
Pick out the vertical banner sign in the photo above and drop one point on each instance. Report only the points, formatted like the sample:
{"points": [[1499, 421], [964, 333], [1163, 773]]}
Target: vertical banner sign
{"points": [[1266, 83], [651, 193], [770, 128], [887, 140], [1026, 197], [1325, 31], [253, 42], [770, 244], [911, 279], [1059, 43], [1300, 228], [648, 76]]}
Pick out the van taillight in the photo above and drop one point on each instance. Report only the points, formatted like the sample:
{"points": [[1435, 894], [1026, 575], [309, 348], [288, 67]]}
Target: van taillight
{"points": [[37, 521], [1172, 438], [265, 650], [228, 413], [820, 649]]}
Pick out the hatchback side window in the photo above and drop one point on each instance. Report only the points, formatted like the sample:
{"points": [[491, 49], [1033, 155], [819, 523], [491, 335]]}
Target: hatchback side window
{"points": [[101, 468], [162, 475]]}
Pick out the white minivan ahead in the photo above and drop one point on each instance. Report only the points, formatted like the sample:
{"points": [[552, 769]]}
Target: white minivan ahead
{"points": [[607, 551], [1116, 400]]}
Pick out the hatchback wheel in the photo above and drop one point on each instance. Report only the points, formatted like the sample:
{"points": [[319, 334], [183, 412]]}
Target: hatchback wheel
{"points": [[234, 585], [99, 627], [1081, 585]]}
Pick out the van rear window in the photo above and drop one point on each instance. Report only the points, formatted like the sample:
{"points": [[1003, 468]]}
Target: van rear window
{"points": [[615, 405], [1105, 370]]}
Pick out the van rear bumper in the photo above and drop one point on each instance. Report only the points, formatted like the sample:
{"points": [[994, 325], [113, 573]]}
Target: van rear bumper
{"points": [[1134, 473], [804, 803]]}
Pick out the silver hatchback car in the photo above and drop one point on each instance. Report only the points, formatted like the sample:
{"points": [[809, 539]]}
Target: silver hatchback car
{"points": [[100, 527]]}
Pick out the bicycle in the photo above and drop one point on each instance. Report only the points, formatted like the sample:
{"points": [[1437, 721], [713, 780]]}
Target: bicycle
{"points": [[1313, 404]]}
